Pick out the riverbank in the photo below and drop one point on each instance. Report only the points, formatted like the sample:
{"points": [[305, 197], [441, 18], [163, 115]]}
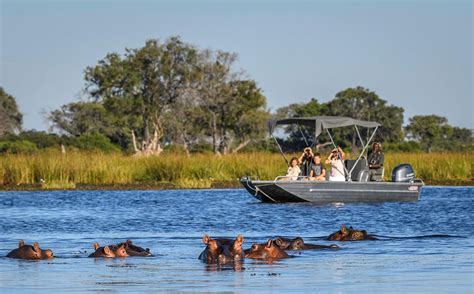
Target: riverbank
{"points": [[92, 171]]}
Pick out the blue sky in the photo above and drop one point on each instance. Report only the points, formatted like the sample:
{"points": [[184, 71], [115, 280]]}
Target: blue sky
{"points": [[414, 54]]}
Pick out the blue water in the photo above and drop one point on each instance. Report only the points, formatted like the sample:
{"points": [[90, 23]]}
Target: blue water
{"points": [[172, 223]]}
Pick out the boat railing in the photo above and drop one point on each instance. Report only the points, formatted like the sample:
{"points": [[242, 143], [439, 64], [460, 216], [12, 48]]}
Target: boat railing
{"points": [[289, 178]]}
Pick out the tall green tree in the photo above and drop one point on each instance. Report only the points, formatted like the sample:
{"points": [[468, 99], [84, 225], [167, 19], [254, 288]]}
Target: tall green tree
{"points": [[11, 118], [232, 110], [139, 88], [434, 133], [361, 103]]}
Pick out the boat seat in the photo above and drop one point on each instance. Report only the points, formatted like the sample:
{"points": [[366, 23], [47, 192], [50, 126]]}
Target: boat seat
{"points": [[360, 172]]}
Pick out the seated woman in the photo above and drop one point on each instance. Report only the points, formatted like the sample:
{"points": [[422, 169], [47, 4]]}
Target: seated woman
{"points": [[336, 159], [293, 170], [317, 172]]}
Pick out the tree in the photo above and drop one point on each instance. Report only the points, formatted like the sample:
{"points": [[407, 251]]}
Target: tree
{"points": [[79, 118], [300, 136], [363, 104], [233, 110], [358, 103], [140, 88], [434, 133], [11, 118]]}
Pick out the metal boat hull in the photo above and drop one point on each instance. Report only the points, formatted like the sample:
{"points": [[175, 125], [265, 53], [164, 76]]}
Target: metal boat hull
{"points": [[328, 192]]}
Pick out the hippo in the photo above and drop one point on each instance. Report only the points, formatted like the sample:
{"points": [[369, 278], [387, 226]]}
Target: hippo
{"points": [[30, 252], [109, 251], [349, 234], [299, 244], [222, 250], [267, 251], [133, 250]]}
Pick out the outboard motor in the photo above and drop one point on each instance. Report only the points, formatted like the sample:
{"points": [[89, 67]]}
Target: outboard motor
{"points": [[403, 173]]}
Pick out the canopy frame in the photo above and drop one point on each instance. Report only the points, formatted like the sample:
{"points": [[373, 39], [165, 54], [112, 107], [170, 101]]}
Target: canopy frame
{"points": [[321, 123]]}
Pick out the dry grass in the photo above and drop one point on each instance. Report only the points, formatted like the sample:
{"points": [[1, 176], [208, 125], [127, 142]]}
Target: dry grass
{"points": [[55, 170]]}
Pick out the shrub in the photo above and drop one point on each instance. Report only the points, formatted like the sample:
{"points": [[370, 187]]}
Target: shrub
{"points": [[16, 147]]}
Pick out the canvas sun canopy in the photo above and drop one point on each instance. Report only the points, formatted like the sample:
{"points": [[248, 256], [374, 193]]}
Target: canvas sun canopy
{"points": [[321, 122]]}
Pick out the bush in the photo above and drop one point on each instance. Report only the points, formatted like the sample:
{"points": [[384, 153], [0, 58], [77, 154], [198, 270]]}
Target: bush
{"points": [[96, 142], [407, 146], [17, 147]]}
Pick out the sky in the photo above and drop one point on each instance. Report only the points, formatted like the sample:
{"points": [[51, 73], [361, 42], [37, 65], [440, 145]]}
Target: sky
{"points": [[414, 54]]}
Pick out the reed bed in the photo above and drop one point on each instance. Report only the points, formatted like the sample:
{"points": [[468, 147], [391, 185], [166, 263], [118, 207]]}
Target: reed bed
{"points": [[53, 170]]}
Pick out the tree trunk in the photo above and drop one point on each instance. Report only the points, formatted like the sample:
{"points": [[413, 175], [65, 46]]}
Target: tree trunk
{"points": [[215, 144], [241, 145], [148, 147], [185, 144]]}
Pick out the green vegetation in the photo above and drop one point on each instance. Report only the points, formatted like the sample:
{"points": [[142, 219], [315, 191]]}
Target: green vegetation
{"points": [[169, 94], [193, 108], [53, 170]]}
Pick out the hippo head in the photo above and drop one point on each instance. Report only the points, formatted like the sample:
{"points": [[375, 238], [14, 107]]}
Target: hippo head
{"points": [[282, 243], [235, 248], [213, 247], [47, 254], [134, 250], [120, 251], [344, 231], [297, 243], [30, 252], [106, 251], [266, 251], [38, 252], [290, 244]]}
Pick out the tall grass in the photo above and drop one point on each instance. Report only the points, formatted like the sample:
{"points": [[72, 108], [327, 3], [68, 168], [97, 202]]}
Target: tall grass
{"points": [[53, 169]]}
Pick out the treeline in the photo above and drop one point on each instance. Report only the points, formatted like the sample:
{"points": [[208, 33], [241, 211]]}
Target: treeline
{"points": [[174, 95]]}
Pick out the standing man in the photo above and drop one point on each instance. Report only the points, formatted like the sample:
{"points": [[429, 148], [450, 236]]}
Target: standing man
{"points": [[375, 160]]}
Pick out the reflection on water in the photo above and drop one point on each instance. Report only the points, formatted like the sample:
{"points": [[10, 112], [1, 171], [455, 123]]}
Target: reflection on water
{"points": [[425, 246]]}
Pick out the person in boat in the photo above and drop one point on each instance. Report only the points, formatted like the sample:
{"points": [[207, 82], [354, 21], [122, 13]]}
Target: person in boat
{"points": [[336, 160], [305, 162], [293, 170], [317, 172], [375, 160]]}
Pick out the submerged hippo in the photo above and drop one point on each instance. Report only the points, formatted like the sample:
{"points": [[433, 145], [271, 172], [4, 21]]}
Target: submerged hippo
{"points": [[299, 244], [349, 234], [109, 251], [30, 252], [133, 250], [267, 251], [222, 250]]}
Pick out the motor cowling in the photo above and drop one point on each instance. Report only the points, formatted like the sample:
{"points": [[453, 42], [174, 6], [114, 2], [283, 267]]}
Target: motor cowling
{"points": [[403, 173]]}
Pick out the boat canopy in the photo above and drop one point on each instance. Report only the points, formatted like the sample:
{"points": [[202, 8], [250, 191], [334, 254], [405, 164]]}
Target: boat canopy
{"points": [[321, 122]]}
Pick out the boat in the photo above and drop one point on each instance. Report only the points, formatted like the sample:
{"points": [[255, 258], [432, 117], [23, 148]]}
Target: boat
{"points": [[357, 187]]}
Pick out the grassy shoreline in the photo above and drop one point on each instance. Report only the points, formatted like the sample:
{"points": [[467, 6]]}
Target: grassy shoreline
{"points": [[85, 170]]}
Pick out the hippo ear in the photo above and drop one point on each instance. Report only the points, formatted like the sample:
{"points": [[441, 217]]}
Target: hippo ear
{"points": [[96, 245], [278, 241], [21, 243], [205, 239], [240, 239], [36, 247], [269, 243], [107, 250]]}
